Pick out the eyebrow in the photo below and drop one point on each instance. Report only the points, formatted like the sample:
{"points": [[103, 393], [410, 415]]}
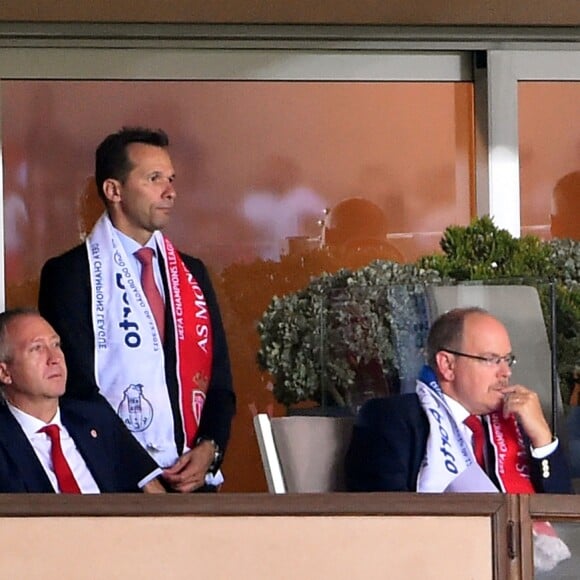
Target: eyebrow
{"points": [[159, 172], [42, 338]]}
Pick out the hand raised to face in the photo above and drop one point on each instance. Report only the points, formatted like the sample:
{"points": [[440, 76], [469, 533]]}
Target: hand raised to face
{"points": [[525, 405]]}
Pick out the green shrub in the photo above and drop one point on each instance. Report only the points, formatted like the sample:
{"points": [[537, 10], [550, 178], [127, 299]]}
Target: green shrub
{"points": [[482, 251], [317, 339], [314, 341]]}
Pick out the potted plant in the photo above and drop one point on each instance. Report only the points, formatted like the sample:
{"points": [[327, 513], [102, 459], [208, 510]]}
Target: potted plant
{"points": [[333, 342], [343, 336], [482, 251]]}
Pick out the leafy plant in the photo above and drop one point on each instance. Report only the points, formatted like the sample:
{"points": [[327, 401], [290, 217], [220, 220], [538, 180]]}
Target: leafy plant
{"points": [[482, 251], [315, 341], [323, 339]]}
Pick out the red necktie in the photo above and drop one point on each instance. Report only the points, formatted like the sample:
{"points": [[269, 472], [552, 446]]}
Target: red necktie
{"points": [[475, 424], [64, 475], [145, 256]]}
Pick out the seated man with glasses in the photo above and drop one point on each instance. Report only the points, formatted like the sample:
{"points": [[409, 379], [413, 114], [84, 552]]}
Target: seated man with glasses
{"points": [[466, 429]]}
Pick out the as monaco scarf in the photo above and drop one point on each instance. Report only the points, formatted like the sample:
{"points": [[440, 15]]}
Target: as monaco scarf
{"points": [[450, 464], [129, 359]]}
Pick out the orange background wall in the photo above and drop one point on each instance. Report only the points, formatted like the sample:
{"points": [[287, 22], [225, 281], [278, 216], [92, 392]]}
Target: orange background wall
{"points": [[231, 140]]}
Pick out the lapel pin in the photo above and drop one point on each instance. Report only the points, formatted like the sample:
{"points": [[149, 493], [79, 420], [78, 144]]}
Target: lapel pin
{"points": [[94, 433]]}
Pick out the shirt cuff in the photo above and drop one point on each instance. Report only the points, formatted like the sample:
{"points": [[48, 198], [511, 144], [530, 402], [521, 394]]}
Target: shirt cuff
{"points": [[215, 479], [545, 450], [150, 477]]}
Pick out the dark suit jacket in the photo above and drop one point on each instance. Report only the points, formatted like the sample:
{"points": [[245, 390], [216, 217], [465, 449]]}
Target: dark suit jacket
{"points": [[114, 457], [388, 445], [65, 301]]}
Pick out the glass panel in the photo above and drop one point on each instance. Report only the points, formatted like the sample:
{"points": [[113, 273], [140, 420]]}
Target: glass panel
{"points": [[549, 125], [553, 559], [372, 333], [257, 164], [573, 426], [373, 339]]}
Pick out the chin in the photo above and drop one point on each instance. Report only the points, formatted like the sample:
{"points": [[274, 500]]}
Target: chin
{"points": [[160, 221], [58, 391]]}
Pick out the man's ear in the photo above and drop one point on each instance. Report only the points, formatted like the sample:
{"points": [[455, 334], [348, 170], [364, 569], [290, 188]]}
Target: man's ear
{"points": [[112, 189], [445, 365], [5, 376]]}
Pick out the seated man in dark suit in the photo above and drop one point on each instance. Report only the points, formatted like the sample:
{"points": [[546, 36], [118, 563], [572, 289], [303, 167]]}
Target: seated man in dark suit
{"points": [[71, 447], [422, 442]]}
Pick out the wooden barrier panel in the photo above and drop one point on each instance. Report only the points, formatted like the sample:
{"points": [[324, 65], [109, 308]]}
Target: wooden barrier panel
{"points": [[563, 512], [256, 535]]}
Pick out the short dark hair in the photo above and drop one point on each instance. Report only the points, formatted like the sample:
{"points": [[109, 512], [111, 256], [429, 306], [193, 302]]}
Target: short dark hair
{"points": [[6, 318], [447, 331], [111, 159]]}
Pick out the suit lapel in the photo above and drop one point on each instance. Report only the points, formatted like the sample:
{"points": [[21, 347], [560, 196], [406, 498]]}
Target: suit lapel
{"points": [[17, 446], [169, 330], [170, 352], [90, 442], [491, 460]]}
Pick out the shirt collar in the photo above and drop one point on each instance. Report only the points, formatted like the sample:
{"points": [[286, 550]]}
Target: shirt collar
{"points": [[30, 425], [459, 412], [131, 246]]}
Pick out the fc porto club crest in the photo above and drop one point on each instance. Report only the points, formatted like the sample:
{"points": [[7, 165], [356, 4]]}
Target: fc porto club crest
{"points": [[135, 410]]}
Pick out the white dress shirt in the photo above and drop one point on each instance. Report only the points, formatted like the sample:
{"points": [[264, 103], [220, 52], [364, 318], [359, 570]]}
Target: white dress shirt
{"points": [[131, 246]]}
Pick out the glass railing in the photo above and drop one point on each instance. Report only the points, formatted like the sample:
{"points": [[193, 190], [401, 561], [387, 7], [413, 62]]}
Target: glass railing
{"points": [[372, 340]]}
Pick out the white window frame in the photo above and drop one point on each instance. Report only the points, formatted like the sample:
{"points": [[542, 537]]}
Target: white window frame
{"points": [[505, 68]]}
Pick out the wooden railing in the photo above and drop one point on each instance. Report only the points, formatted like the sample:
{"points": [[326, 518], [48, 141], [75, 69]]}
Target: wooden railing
{"points": [[340, 535]]}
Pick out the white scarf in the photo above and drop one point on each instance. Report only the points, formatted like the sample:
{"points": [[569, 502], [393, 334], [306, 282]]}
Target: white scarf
{"points": [[449, 463], [450, 466], [125, 330]]}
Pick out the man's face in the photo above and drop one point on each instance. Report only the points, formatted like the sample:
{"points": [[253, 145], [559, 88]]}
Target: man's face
{"points": [[36, 370], [142, 203], [474, 383]]}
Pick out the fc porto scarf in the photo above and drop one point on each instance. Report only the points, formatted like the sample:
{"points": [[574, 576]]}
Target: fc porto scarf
{"points": [[450, 465], [129, 359]]}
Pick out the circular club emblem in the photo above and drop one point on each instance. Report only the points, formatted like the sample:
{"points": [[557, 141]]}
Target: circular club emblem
{"points": [[135, 410]]}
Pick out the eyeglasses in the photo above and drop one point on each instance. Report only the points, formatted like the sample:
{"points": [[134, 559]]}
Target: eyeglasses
{"points": [[490, 360]]}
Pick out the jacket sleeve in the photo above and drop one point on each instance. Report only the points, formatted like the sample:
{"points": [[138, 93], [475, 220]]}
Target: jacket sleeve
{"points": [[133, 462], [220, 403], [551, 474], [65, 301], [115, 458], [387, 446]]}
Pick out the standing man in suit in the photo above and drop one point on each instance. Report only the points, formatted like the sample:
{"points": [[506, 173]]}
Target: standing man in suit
{"points": [[422, 441], [74, 447], [144, 331]]}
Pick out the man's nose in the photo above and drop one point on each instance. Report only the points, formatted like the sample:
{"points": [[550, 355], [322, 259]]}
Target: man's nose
{"points": [[504, 369], [55, 355], [169, 190]]}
